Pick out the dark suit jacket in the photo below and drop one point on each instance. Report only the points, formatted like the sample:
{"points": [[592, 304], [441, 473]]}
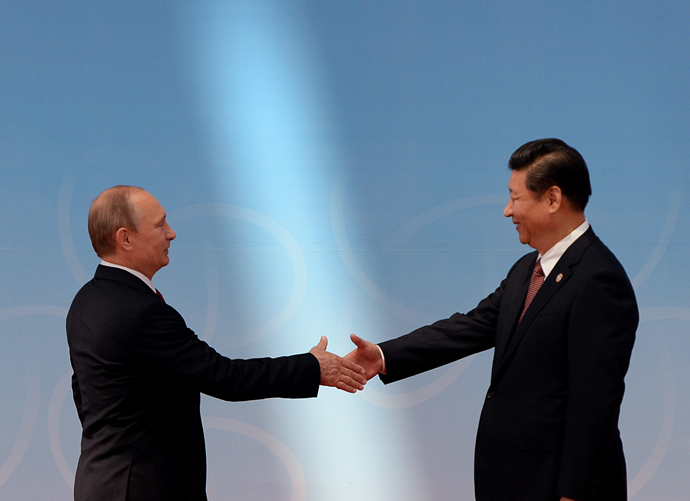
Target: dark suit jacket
{"points": [[138, 374], [549, 426]]}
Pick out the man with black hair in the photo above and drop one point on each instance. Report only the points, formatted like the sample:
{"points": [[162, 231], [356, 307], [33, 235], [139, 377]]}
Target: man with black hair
{"points": [[562, 325]]}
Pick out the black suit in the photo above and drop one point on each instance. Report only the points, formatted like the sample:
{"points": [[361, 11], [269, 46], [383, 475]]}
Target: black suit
{"points": [[549, 426], [138, 374]]}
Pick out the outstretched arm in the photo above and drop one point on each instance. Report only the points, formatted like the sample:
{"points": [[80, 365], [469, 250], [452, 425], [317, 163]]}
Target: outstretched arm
{"points": [[366, 355], [336, 371]]}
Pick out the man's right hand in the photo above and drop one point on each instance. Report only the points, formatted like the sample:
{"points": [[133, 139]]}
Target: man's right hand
{"points": [[366, 355], [336, 371]]}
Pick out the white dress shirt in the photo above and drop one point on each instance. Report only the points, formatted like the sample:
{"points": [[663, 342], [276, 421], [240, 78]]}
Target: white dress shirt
{"points": [[551, 256], [136, 273]]}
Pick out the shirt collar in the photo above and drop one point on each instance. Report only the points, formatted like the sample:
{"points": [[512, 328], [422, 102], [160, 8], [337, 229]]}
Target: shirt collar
{"points": [[136, 273], [551, 256]]}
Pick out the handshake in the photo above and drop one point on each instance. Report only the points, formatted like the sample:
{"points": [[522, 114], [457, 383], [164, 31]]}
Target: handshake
{"points": [[351, 372]]}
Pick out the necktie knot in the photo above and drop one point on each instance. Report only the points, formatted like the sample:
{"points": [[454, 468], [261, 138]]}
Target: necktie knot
{"points": [[534, 285], [158, 293]]}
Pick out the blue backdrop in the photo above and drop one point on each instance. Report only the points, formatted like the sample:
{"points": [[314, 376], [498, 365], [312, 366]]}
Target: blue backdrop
{"points": [[335, 167]]}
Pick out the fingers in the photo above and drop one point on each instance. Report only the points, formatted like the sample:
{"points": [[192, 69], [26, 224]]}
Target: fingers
{"points": [[351, 382], [342, 374], [350, 373], [349, 385], [320, 348], [357, 374], [367, 355], [353, 366], [357, 340]]}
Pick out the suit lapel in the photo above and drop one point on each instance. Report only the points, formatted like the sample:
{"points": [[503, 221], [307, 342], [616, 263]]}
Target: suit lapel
{"points": [[557, 278], [514, 298]]}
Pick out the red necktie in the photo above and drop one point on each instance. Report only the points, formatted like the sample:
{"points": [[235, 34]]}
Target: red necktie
{"points": [[534, 284], [158, 293]]}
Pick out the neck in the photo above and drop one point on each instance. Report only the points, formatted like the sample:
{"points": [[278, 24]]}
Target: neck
{"points": [[562, 229]]}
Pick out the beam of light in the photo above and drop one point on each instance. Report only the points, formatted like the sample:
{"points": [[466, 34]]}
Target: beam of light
{"points": [[274, 153]]}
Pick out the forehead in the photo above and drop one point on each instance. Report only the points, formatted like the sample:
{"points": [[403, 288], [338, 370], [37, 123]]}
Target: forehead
{"points": [[517, 181], [147, 205]]}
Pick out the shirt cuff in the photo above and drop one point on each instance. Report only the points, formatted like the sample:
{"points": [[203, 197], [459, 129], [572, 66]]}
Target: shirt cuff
{"points": [[383, 359]]}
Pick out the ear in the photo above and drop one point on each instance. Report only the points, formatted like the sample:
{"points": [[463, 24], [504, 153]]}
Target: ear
{"points": [[555, 196], [123, 238]]}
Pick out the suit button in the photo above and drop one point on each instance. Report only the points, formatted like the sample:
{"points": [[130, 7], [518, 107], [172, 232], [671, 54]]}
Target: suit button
{"points": [[490, 395]]}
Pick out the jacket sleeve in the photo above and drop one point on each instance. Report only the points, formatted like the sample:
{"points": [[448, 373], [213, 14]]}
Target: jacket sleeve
{"points": [[166, 345], [444, 341], [601, 335]]}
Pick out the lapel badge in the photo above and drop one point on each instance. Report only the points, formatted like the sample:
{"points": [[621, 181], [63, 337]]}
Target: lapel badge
{"points": [[559, 277]]}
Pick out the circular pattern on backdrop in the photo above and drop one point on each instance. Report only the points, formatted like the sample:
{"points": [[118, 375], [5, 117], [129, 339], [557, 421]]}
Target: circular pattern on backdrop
{"points": [[292, 248], [282, 452], [670, 398], [446, 378], [33, 392]]}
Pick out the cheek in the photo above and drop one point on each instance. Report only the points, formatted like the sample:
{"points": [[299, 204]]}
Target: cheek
{"points": [[518, 210]]}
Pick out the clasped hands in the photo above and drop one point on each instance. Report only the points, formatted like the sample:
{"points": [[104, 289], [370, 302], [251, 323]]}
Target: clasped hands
{"points": [[351, 372]]}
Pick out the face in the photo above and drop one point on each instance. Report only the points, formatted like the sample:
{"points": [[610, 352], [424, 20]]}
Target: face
{"points": [[150, 243], [530, 213]]}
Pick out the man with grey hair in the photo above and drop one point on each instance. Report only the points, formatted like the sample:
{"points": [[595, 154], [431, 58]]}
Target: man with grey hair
{"points": [[139, 370]]}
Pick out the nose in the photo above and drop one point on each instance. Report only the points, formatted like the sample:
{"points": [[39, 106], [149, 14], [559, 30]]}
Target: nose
{"points": [[171, 233], [508, 211]]}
